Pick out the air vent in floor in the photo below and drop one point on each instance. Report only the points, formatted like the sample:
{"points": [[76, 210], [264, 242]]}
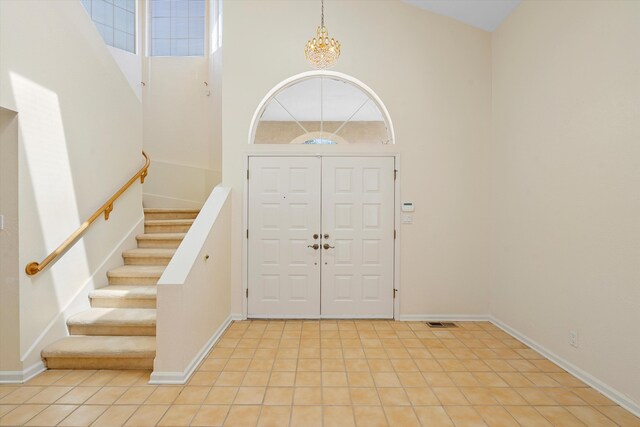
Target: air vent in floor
{"points": [[441, 325]]}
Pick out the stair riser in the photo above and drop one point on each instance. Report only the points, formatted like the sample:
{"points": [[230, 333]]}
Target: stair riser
{"points": [[112, 330], [122, 303], [146, 260], [159, 244], [170, 215], [98, 363], [173, 228], [133, 280]]}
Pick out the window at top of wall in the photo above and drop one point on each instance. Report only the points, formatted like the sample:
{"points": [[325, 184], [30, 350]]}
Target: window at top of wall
{"points": [[115, 21], [177, 27], [322, 110]]}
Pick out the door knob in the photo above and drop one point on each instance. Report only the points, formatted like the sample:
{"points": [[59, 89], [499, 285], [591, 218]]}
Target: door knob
{"points": [[314, 246], [328, 246], [315, 236], [326, 236]]}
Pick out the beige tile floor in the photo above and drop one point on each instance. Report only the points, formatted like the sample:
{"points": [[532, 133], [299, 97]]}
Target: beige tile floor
{"points": [[331, 373]]}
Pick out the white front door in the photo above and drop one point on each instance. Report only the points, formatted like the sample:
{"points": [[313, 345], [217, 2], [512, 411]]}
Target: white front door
{"points": [[284, 214], [358, 231], [345, 205]]}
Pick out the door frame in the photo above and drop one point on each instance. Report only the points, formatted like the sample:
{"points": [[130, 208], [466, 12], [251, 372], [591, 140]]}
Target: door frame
{"points": [[396, 210]]}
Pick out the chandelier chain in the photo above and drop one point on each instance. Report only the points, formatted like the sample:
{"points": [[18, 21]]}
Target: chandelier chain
{"points": [[321, 51]]}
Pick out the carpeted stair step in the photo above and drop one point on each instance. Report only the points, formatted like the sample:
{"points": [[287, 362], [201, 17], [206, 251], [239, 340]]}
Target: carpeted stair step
{"points": [[160, 240], [167, 225], [101, 352], [124, 296], [113, 321], [170, 213], [135, 274], [148, 256]]}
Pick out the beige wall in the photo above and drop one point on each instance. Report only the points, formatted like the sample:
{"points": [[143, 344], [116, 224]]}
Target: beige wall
{"points": [[288, 132], [177, 116], [434, 76], [193, 293], [9, 270], [80, 137], [565, 179]]}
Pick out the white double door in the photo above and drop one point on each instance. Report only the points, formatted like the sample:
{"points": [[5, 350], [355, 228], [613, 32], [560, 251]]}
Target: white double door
{"points": [[321, 237]]}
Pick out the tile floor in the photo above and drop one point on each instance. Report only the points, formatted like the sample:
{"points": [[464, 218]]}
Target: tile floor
{"points": [[331, 373]]}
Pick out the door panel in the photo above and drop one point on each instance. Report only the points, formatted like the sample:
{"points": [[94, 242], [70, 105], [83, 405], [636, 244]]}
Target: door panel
{"points": [[284, 214], [358, 216]]}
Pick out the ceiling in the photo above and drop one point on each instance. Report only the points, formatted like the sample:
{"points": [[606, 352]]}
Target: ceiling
{"points": [[484, 14]]}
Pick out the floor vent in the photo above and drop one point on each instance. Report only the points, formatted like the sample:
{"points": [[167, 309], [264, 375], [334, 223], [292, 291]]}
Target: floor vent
{"points": [[441, 325]]}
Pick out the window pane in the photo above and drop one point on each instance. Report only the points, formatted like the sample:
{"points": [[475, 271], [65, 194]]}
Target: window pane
{"points": [[182, 23], [196, 47], [161, 47], [161, 8], [131, 43], [179, 47], [179, 28], [115, 21], [161, 28], [120, 40], [120, 19], [106, 33], [196, 8], [131, 23], [196, 28], [179, 8], [102, 12]]}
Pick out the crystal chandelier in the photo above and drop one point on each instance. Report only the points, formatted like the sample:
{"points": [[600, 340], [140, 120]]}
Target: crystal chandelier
{"points": [[321, 51]]}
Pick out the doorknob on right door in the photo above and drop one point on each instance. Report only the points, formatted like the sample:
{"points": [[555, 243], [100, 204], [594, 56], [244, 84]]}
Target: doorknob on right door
{"points": [[328, 246]]}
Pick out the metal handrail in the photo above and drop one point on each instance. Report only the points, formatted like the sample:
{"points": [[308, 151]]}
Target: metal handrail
{"points": [[34, 267]]}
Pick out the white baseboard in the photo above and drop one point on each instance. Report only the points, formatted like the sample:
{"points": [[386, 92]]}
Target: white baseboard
{"points": [[444, 317], [237, 316], [613, 394], [11, 377], [183, 377]]}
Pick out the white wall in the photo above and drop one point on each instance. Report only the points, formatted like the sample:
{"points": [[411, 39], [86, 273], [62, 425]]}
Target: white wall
{"points": [[193, 293], [434, 75], [177, 120], [565, 179], [80, 137], [9, 241], [131, 66]]}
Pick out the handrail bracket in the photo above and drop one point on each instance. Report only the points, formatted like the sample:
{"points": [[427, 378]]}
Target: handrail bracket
{"points": [[107, 211]]}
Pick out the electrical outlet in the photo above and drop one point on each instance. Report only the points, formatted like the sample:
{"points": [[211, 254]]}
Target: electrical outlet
{"points": [[573, 339]]}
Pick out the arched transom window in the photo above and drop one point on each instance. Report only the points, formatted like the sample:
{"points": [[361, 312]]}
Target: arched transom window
{"points": [[321, 108]]}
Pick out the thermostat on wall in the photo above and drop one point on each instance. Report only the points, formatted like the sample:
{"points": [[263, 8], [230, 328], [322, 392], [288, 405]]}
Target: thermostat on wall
{"points": [[407, 207]]}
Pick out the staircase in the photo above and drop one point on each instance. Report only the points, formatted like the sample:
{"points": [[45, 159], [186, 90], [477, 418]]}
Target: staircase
{"points": [[118, 332]]}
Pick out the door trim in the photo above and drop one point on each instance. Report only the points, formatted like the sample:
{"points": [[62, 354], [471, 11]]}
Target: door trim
{"points": [[396, 246]]}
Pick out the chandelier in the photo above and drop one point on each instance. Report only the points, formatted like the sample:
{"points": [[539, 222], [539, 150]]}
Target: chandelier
{"points": [[321, 51]]}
